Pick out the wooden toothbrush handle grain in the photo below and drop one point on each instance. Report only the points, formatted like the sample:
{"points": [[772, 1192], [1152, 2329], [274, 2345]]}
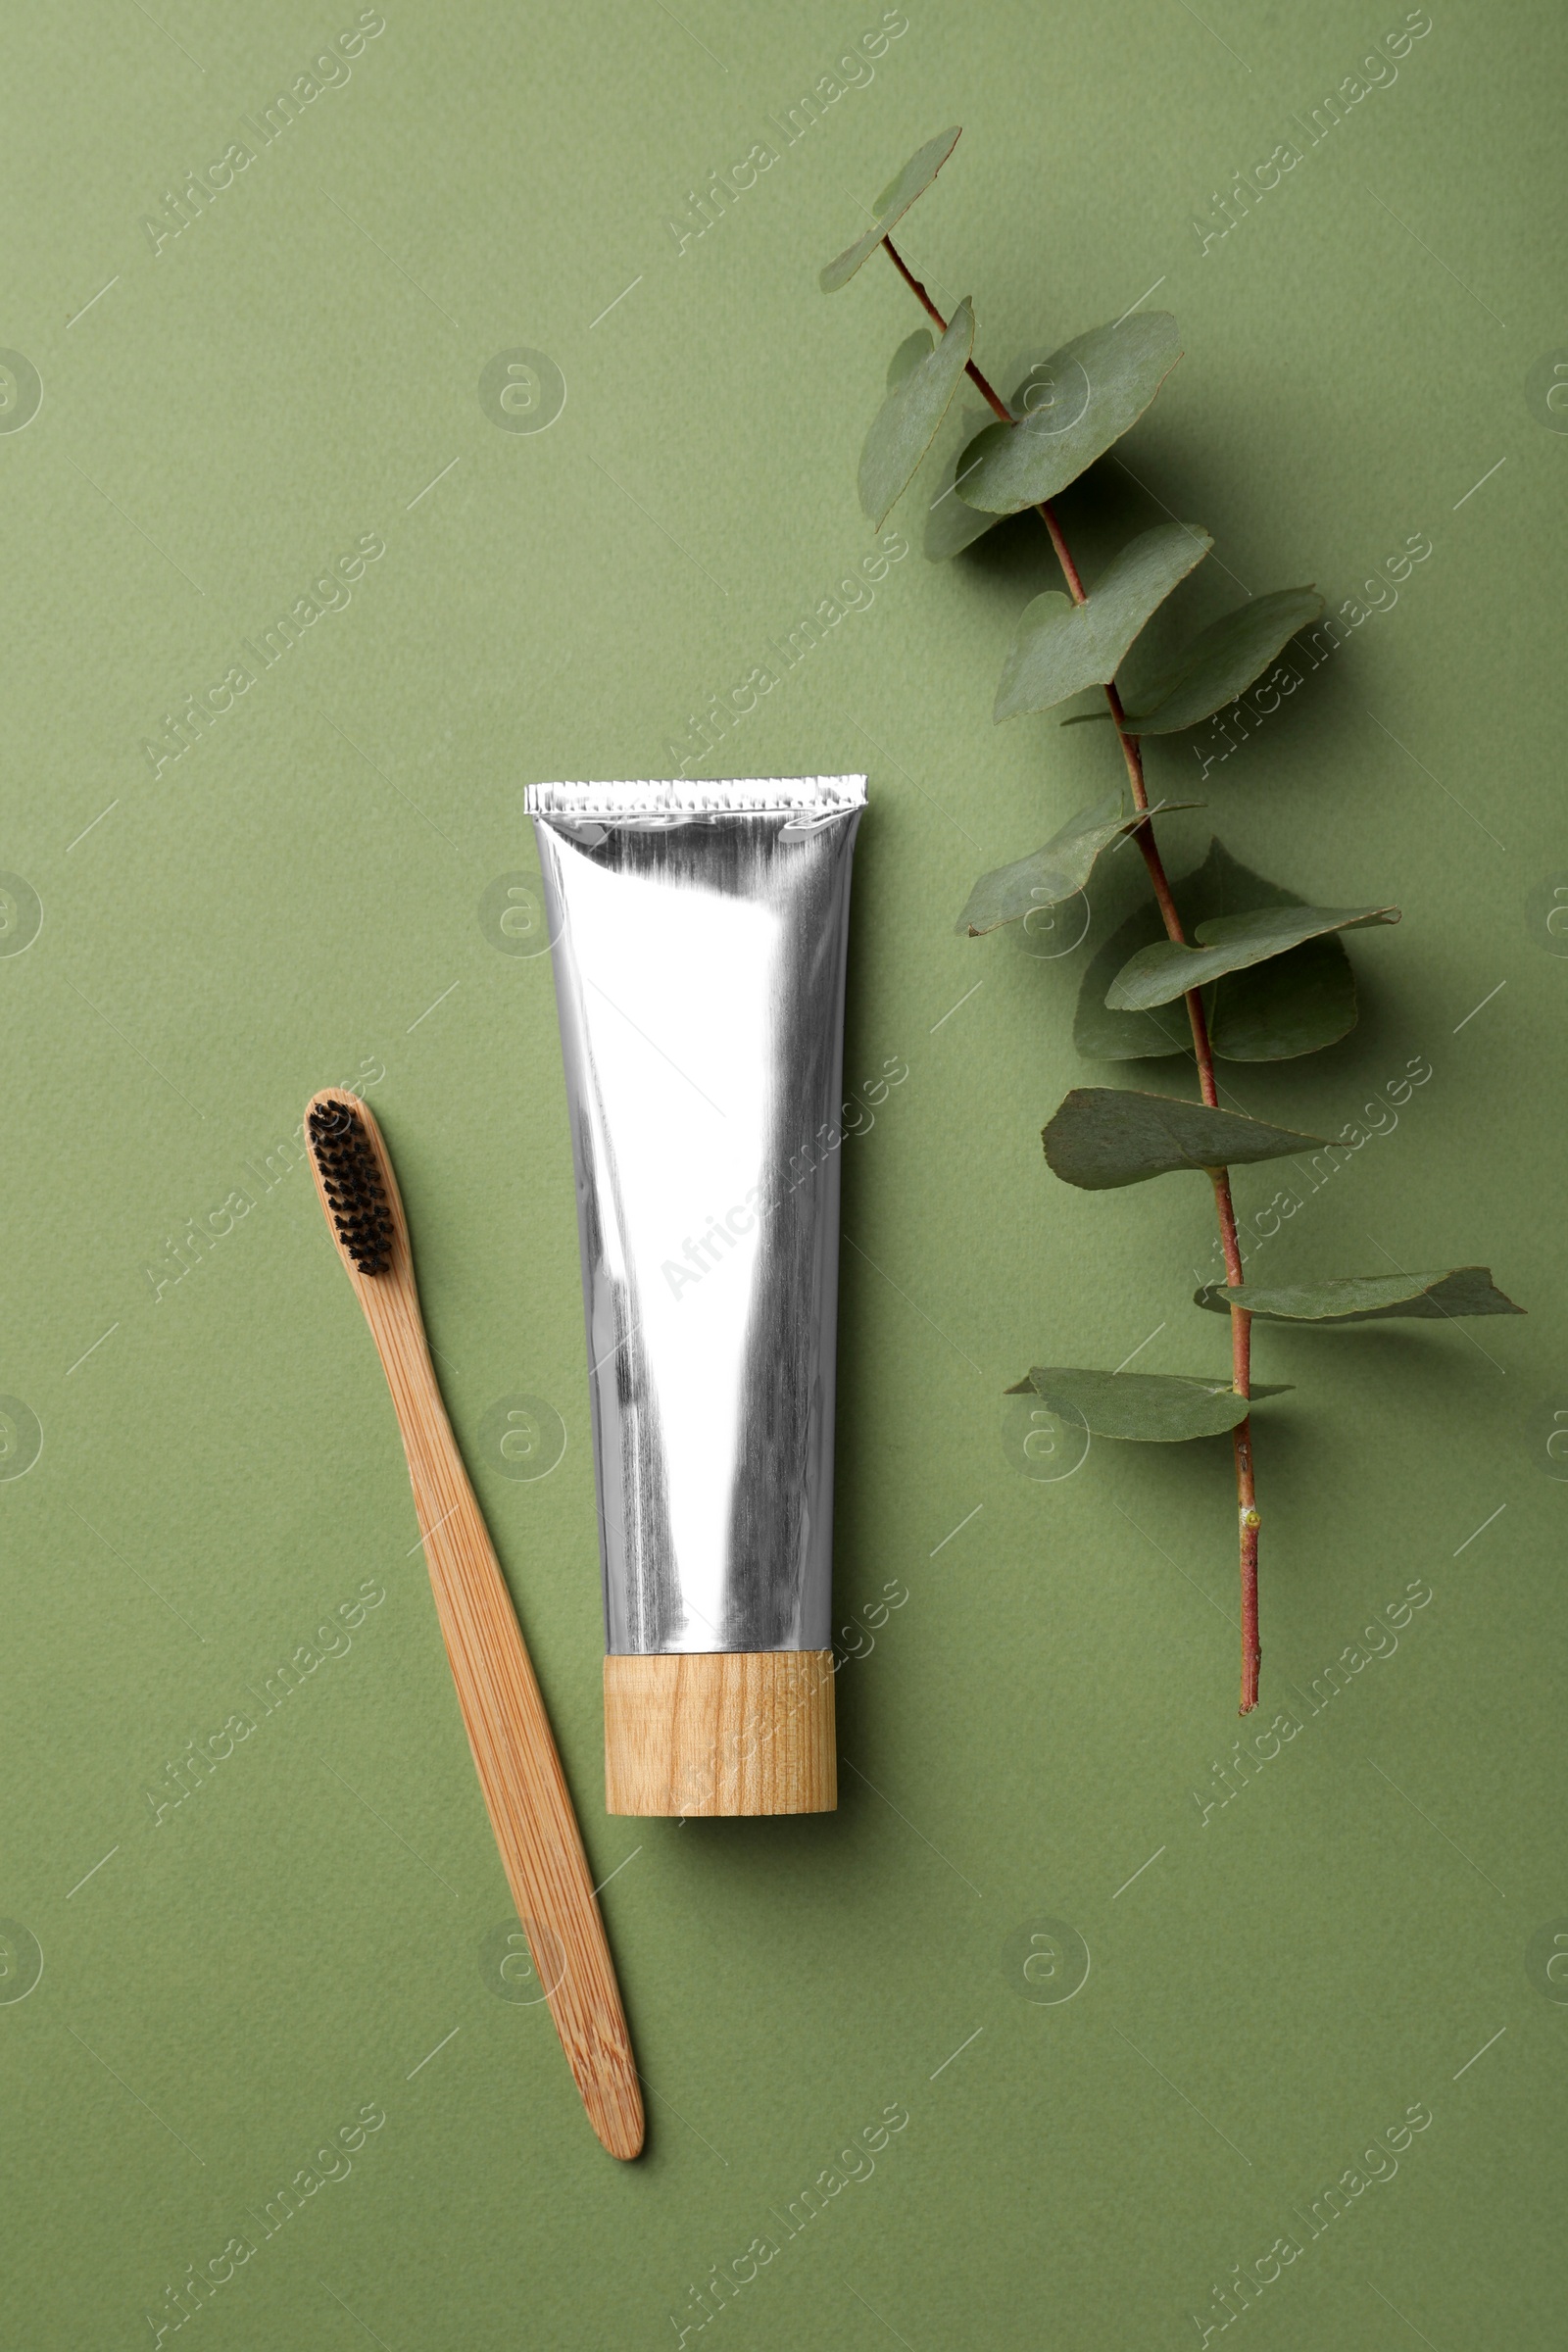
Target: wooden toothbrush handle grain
{"points": [[515, 1752]]}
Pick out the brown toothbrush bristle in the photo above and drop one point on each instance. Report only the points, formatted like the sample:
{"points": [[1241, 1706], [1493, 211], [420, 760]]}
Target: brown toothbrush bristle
{"points": [[352, 1185]]}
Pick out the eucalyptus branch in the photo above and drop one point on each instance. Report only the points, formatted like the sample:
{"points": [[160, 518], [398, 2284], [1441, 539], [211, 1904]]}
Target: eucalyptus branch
{"points": [[1262, 985], [1241, 1321]]}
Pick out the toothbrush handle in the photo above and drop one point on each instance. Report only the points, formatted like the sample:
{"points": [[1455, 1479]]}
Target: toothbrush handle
{"points": [[520, 1772], [513, 1748]]}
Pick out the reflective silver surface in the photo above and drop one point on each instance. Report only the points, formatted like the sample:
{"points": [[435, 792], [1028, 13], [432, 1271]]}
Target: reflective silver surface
{"points": [[699, 938]]}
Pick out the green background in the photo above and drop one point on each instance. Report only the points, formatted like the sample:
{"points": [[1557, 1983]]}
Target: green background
{"points": [[297, 901]]}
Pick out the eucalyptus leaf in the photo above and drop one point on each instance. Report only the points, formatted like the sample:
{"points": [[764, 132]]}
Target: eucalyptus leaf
{"points": [[1295, 1003], [1366, 1297], [1100, 1035], [1231, 942], [1056, 872], [891, 206], [951, 525], [1102, 1136], [1059, 647], [910, 352], [905, 427], [1292, 1004], [1159, 1408], [1104, 383], [1224, 660]]}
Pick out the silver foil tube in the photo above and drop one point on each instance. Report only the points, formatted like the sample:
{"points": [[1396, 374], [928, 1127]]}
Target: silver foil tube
{"points": [[699, 935]]}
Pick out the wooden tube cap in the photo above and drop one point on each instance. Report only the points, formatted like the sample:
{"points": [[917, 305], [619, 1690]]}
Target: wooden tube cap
{"points": [[721, 1732]]}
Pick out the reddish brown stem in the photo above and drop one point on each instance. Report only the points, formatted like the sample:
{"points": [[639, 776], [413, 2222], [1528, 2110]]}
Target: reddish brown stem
{"points": [[1241, 1320], [1242, 1441]]}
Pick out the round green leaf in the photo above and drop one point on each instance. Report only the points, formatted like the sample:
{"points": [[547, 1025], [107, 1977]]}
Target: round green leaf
{"points": [[1159, 1408], [1102, 1137], [891, 206], [1057, 871], [1059, 648], [1103, 383], [1295, 1003], [1366, 1297], [905, 424], [1157, 974], [1223, 660], [1100, 1035], [951, 525]]}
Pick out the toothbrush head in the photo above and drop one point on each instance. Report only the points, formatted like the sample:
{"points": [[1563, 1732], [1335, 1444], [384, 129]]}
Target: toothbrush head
{"points": [[350, 1180]]}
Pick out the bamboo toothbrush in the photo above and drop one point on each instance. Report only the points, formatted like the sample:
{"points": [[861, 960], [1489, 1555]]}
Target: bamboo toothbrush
{"points": [[525, 1787]]}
